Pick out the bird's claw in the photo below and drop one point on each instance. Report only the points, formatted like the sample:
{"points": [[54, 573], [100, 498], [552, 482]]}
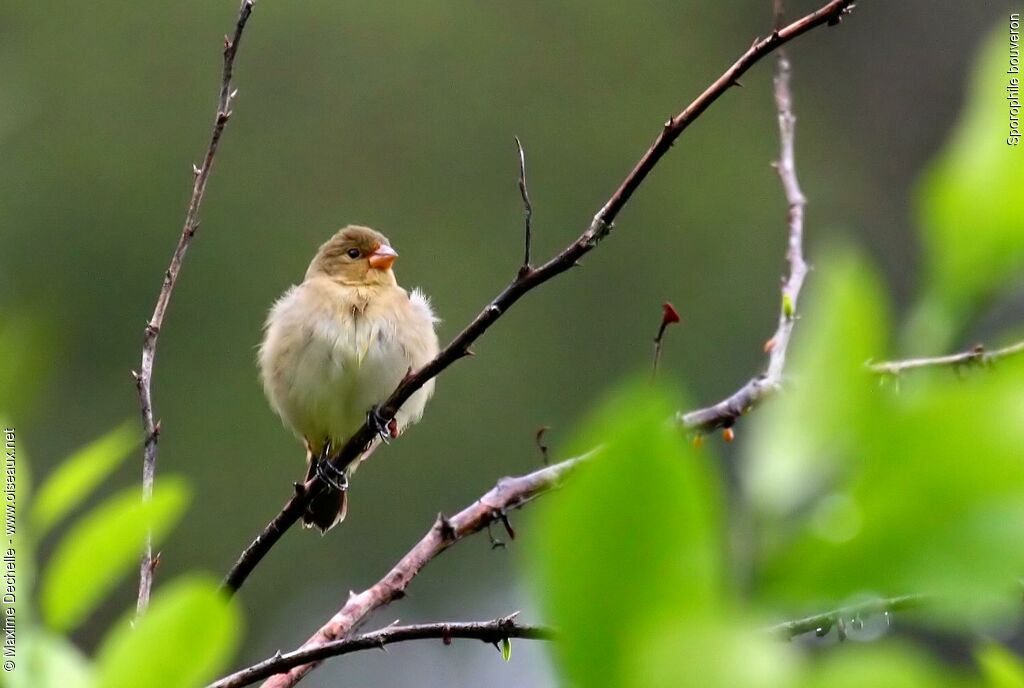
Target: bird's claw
{"points": [[332, 475], [382, 427]]}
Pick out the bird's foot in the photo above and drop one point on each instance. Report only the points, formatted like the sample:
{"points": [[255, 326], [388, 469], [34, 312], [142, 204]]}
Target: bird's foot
{"points": [[386, 430], [325, 453], [332, 475]]}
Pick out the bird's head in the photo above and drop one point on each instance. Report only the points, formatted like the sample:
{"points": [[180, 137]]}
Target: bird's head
{"points": [[355, 256]]}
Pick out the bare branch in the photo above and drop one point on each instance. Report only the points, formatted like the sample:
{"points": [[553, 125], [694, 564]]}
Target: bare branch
{"points": [[822, 623], [599, 228], [527, 208], [726, 412], [976, 355], [144, 377], [492, 632], [509, 493]]}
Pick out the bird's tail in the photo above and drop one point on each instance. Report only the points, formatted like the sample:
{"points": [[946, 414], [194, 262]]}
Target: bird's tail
{"points": [[328, 508]]}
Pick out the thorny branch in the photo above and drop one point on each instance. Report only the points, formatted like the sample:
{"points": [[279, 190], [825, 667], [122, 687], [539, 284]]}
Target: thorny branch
{"points": [[508, 494], [144, 376], [492, 632], [525, 281], [977, 355], [726, 412], [823, 623]]}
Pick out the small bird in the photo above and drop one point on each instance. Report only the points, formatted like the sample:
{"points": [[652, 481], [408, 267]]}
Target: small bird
{"points": [[335, 347]]}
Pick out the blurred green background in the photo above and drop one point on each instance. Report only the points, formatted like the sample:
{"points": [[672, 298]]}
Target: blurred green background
{"points": [[401, 115]]}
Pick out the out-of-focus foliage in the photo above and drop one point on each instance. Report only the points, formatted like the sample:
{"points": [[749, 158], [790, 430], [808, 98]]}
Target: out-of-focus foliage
{"points": [[79, 475], [189, 632], [47, 660], [631, 561], [827, 388], [969, 209], [647, 501], [101, 546], [854, 486], [1000, 667], [894, 666], [637, 587], [925, 489]]}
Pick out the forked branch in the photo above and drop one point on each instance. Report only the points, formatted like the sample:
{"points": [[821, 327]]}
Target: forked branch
{"points": [[726, 412]]}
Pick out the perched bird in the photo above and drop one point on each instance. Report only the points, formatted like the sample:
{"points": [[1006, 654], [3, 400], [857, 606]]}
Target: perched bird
{"points": [[336, 346]]}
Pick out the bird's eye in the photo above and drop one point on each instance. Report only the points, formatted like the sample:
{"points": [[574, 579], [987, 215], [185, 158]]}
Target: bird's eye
{"points": [[353, 253]]}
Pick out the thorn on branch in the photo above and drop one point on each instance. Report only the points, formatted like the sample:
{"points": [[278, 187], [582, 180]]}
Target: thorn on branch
{"points": [[526, 268], [539, 439], [444, 526], [503, 517], [495, 542], [669, 316]]}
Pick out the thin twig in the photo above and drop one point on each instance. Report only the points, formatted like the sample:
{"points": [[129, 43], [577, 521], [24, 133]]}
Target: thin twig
{"points": [[492, 632], [527, 208], [822, 623], [509, 493], [726, 412], [144, 376], [599, 228], [976, 355]]}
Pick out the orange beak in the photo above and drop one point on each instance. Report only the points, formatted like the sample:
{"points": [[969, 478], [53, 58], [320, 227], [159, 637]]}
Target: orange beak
{"points": [[383, 257]]}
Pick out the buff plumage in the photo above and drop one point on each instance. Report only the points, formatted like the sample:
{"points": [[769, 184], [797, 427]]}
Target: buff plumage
{"points": [[338, 344]]}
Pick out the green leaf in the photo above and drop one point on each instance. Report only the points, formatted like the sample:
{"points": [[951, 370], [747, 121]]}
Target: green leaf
{"points": [[45, 660], [633, 537], [889, 665], [925, 494], [798, 438], [723, 652], [506, 649], [968, 205], [102, 546], [79, 474], [185, 637], [1000, 667]]}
